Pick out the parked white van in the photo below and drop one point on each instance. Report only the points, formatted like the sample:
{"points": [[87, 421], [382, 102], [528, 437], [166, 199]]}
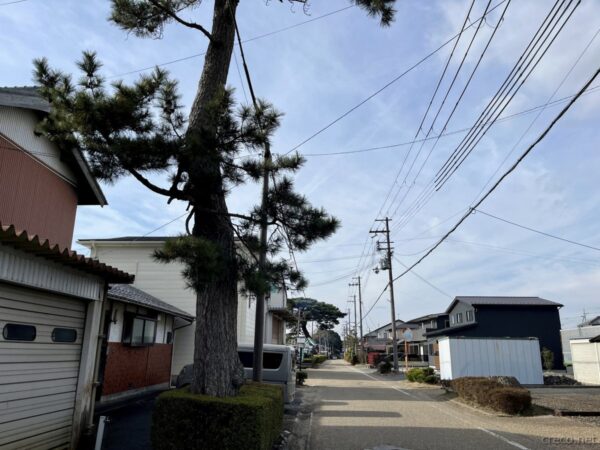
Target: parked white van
{"points": [[279, 366]]}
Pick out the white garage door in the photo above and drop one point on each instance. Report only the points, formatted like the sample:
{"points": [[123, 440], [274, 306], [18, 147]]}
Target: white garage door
{"points": [[40, 348]]}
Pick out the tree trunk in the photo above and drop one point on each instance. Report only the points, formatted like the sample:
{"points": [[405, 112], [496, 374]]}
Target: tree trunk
{"points": [[217, 368], [303, 324]]}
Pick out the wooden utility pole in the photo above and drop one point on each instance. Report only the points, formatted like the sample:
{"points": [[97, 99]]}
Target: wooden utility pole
{"points": [[388, 267]]}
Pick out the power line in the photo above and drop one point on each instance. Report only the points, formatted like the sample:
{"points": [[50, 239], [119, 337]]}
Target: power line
{"points": [[543, 233], [261, 36], [332, 259], [508, 172], [454, 132], [12, 3], [541, 108], [376, 301], [427, 282], [470, 141], [435, 91], [464, 90], [468, 146], [377, 92]]}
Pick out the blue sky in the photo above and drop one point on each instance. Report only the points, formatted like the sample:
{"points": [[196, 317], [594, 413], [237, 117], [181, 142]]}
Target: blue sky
{"points": [[316, 72]]}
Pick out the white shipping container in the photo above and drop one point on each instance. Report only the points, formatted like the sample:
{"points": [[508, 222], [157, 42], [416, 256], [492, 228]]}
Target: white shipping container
{"points": [[484, 357]]}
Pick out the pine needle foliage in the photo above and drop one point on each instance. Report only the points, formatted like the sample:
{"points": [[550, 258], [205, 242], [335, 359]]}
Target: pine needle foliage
{"points": [[140, 128]]}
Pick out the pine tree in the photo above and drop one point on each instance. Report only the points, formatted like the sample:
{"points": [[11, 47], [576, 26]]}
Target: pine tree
{"points": [[324, 314], [139, 129]]}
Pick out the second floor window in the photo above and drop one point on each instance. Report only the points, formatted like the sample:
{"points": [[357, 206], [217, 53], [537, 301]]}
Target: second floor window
{"points": [[470, 316], [459, 317]]}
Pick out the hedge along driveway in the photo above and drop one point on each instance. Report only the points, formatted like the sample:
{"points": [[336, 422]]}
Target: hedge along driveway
{"points": [[252, 420]]}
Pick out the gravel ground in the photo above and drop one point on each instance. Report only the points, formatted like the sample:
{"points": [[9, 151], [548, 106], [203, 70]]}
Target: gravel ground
{"points": [[569, 399]]}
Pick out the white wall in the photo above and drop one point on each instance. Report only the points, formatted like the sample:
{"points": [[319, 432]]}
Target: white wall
{"points": [[586, 361], [165, 282], [482, 357]]}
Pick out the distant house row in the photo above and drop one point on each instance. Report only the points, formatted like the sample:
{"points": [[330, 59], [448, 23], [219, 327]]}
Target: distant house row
{"points": [[76, 331], [481, 317]]}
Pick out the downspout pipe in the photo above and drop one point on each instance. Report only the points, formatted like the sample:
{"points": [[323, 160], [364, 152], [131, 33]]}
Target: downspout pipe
{"points": [[96, 383]]}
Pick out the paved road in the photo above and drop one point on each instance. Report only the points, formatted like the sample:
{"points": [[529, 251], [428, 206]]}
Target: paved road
{"points": [[354, 409]]}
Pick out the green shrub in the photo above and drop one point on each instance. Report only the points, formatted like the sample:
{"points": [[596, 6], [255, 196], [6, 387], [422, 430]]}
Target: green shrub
{"points": [[547, 358], [491, 393], [354, 360], [384, 367], [421, 375], [251, 420], [301, 376]]}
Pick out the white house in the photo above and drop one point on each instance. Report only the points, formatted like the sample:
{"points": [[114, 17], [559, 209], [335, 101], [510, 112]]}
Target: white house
{"points": [[164, 281]]}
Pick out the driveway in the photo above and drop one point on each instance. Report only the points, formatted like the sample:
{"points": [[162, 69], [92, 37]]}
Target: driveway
{"points": [[129, 426], [356, 409]]}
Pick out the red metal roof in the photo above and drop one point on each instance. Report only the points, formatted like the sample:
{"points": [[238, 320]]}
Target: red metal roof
{"points": [[34, 245]]}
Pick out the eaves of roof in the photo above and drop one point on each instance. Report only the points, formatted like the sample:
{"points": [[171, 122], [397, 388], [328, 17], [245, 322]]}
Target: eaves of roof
{"points": [[450, 330], [132, 295], [33, 244], [28, 97]]}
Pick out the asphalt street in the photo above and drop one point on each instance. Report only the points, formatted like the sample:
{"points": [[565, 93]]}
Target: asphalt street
{"points": [[353, 408]]}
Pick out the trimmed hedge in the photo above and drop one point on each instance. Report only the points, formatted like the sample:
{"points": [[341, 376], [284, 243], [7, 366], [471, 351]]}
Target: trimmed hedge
{"points": [[314, 360], [318, 359], [493, 394], [251, 420], [421, 375], [301, 376]]}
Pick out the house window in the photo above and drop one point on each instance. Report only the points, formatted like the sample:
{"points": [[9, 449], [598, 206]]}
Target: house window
{"points": [[459, 317], [64, 335], [139, 331], [433, 324], [452, 321], [18, 332], [470, 316]]}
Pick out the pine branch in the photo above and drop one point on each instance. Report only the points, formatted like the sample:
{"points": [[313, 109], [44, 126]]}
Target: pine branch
{"points": [[171, 193], [169, 12]]}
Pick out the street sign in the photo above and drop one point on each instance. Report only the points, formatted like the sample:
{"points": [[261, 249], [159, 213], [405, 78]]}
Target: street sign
{"points": [[408, 335]]}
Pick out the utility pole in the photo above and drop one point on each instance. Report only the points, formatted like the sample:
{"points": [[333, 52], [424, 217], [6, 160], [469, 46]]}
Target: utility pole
{"points": [[355, 318], [359, 305], [388, 267]]}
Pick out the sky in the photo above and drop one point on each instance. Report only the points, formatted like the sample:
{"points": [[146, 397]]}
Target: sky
{"points": [[317, 71]]}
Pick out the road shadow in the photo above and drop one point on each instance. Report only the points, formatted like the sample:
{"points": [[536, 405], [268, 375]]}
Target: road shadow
{"points": [[346, 413], [328, 437]]}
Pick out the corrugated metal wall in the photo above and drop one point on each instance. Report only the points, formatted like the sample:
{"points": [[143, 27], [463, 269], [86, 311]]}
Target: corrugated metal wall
{"points": [[473, 357], [21, 268], [33, 198], [38, 379]]}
